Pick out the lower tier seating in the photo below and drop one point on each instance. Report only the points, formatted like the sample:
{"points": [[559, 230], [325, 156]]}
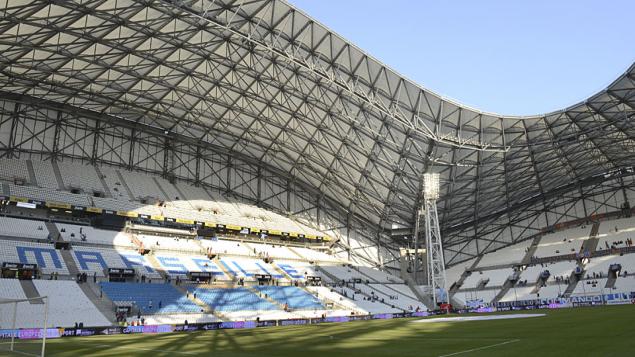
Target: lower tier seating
{"points": [[229, 300], [150, 298], [67, 305], [293, 297]]}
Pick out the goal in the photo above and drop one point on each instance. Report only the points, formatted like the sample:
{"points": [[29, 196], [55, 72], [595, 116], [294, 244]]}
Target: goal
{"points": [[23, 326]]}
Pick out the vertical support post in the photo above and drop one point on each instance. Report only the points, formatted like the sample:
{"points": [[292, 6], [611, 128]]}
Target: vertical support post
{"points": [[434, 246], [15, 313], [46, 317], [416, 243]]}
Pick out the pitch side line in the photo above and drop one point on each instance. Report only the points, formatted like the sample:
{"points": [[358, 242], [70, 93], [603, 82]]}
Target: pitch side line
{"points": [[480, 348]]}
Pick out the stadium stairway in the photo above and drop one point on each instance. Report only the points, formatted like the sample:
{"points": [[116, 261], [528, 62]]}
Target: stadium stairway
{"points": [[264, 297], [407, 278], [336, 304], [277, 269], [165, 194], [32, 177], [506, 286], [369, 278], [459, 282], [532, 249], [296, 253], [206, 309], [573, 281], [103, 182], [125, 185], [58, 175], [53, 231], [156, 266], [610, 282], [591, 243], [223, 268], [100, 300], [327, 274], [70, 262], [30, 291]]}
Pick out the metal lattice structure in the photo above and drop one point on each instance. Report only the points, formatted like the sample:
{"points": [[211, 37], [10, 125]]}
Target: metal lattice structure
{"points": [[255, 98]]}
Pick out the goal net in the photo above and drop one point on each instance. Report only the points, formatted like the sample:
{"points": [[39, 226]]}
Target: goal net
{"points": [[23, 324]]}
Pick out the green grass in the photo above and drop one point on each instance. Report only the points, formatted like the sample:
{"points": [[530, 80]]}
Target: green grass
{"points": [[600, 331]]}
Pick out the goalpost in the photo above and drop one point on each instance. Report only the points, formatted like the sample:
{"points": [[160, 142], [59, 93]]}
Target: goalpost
{"points": [[30, 315]]}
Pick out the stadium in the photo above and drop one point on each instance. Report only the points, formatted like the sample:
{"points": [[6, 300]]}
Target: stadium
{"points": [[201, 177]]}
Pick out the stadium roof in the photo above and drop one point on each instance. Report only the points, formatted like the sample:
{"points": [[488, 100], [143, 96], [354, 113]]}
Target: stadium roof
{"points": [[261, 79]]}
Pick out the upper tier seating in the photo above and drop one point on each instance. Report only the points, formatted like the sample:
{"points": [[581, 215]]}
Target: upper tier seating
{"points": [[314, 255], [226, 247], [48, 195], [13, 169], [270, 250], [615, 233], [564, 242], [95, 261], [60, 313], [150, 298], [507, 255], [238, 299], [114, 183], [44, 174], [293, 297], [557, 269], [44, 255], [142, 186], [23, 228], [453, 273], [496, 278], [341, 273], [72, 232], [183, 245], [78, 175], [122, 184], [378, 275]]}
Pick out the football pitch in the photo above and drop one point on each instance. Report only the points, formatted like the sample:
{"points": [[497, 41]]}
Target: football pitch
{"points": [[593, 331]]}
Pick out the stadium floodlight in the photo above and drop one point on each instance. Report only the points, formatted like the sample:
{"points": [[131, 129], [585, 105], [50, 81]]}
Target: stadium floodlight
{"points": [[431, 186]]}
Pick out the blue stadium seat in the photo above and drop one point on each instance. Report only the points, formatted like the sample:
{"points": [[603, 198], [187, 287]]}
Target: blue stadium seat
{"points": [[172, 300], [230, 300], [294, 297]]}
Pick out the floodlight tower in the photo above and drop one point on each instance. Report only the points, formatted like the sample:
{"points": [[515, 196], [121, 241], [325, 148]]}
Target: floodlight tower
{"points": [[434, 246]]}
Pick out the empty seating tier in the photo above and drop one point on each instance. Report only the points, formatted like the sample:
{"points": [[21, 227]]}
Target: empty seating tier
{"points": [[150, 298]]}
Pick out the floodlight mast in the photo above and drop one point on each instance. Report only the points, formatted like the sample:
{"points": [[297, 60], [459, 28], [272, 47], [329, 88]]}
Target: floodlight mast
{"points": [[434, 245]]}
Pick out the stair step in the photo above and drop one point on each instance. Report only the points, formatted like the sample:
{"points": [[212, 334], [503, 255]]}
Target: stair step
{"points": [[58, 175], [31, 292], [32, 177], [103, 181], [125, 185]]}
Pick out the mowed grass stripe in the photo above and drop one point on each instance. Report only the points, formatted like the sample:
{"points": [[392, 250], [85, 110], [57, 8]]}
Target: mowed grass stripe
{"points": [[598, 331]]}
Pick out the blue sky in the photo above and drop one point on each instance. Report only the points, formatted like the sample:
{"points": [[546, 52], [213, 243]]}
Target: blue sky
{"points": [[501, 56]]}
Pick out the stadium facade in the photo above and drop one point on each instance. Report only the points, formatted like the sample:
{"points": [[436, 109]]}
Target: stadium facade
{"points": [[258, 100]]}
